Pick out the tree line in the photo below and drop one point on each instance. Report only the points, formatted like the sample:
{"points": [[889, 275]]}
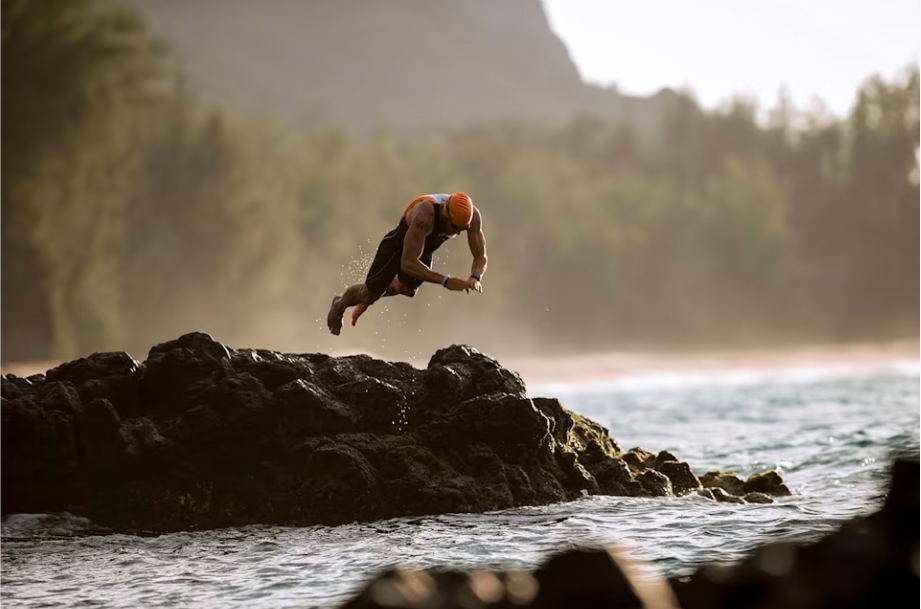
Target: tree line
{"points": [[133, 212]]}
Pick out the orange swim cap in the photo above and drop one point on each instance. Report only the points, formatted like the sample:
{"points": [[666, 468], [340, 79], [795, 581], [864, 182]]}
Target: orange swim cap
{"points": [[459, 211]]}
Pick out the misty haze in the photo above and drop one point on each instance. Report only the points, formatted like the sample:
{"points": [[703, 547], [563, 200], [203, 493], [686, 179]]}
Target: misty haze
{"points": [[258, 161], [192, 183]]}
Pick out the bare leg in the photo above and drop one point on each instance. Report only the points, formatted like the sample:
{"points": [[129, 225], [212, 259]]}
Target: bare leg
{"points": [[357, 311], [355, 295], [395, 287]]}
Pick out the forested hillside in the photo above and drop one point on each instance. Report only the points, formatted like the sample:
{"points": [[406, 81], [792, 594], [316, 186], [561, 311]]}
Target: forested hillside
{"points": [[134, 211]]}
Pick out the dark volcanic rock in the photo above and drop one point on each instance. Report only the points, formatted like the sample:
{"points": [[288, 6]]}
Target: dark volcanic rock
{"points": [[730, 482], [12, 386], [96, 366], [682, 478], [757, 498], [59, 395], [655, 483], [724, 497], [200, 435], [768, 483], [615, 478], [639, 459], [173, 369]]}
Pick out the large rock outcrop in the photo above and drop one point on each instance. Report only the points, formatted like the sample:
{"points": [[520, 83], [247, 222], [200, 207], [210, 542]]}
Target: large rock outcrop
{"points": [[200, 435]]}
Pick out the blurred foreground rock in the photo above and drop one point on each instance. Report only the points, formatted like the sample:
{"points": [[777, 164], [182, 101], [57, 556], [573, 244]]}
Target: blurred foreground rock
{"points": [[869, 562], [200, 436]]}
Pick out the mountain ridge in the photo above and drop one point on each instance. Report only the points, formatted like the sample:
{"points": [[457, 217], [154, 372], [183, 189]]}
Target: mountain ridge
{"points": [[403, 63]]}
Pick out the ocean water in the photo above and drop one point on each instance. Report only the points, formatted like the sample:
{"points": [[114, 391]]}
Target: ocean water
{"points": [[832, 434]]}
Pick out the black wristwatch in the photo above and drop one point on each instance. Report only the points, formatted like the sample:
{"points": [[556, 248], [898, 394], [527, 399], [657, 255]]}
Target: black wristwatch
{"points": [[477, 276]]}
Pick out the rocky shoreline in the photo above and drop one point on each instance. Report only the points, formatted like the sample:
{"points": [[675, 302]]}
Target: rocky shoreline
{"points": [[868, 562], [200, 436]]}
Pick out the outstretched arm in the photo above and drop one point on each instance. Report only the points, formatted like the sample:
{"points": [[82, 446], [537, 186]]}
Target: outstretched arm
{"points": [[421, 224], [477, 242]]}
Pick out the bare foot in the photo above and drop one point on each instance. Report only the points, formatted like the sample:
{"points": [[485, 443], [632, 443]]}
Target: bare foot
{"points": [[357, 311], [334, 317]]}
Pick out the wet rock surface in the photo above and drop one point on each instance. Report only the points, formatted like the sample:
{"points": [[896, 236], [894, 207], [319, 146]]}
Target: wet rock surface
{"points": [[200, 435]]}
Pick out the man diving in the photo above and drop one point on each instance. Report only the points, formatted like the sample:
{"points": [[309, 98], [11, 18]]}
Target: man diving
{"points": [[404, 257]]}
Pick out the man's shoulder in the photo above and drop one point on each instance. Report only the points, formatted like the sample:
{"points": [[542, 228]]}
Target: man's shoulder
{"points": [[477, 217], [424, 206], [421, 215]]}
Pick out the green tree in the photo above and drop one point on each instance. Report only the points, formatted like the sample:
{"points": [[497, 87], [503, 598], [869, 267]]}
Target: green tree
{"points": [[75, 73]]}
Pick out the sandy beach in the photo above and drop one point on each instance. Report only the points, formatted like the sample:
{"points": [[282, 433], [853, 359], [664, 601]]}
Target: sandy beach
{"points": [[599, 366], [612, 365]]}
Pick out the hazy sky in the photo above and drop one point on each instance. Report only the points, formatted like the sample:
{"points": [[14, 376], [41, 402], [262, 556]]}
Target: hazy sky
{"points": [[719, 47]]}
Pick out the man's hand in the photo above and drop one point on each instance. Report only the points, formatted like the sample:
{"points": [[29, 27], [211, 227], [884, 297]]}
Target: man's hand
{"points": [[474, 284], [456, 284]]}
